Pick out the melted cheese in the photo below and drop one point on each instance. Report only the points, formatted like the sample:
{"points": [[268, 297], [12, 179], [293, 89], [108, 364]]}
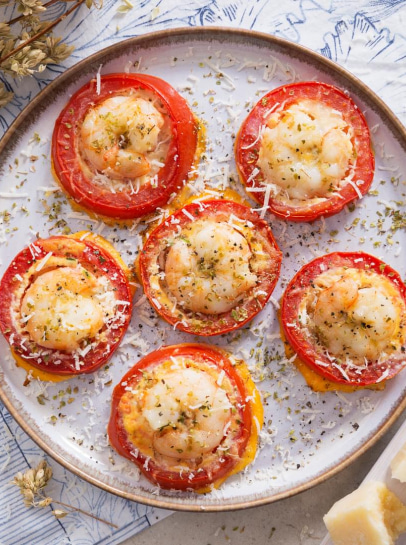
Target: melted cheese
{"points": [[317, 382], [38, 373], [321, 384], [184, 197], [306, 150], [256, 425]]}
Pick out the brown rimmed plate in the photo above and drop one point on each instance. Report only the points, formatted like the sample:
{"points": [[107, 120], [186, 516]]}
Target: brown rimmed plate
{"points": [[307, 436]]}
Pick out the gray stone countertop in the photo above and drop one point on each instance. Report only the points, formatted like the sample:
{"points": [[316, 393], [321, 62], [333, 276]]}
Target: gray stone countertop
{"points": [[294, 521]]}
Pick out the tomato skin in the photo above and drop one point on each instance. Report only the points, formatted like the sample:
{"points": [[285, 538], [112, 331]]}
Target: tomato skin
{"points": [[171, 177], [212, 324], [183, 480], [92, 257], [305, 349], [246, 159]]}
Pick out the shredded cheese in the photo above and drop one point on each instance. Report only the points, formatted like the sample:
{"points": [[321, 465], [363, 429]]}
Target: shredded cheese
{"points": [[98, 80], [357, 189], [43, 262]]}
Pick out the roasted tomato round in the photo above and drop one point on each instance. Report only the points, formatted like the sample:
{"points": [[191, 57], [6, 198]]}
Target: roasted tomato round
{"points": [[122, 147], [304, 151], [66, 303], [344, 314], [188, 415], [210, 267]]}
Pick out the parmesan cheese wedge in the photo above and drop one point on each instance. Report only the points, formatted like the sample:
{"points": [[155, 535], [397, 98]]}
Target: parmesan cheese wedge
{"points": [[398, 465], [371, 515]]}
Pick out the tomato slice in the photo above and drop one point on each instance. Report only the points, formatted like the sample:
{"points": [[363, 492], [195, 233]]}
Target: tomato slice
{"points": [[188, 415], [98, 129], [210, 267], [344, 314], [66, 304], [304, 151]]}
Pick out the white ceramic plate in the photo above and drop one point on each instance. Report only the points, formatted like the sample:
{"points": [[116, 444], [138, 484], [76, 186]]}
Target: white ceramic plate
{"points": [[308, 436]]}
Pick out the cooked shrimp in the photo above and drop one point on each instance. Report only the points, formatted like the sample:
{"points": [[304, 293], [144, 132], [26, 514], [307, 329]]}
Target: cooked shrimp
{"points": [[357, 319], [208, 267], [188, 412], [59, 309], [118, 133], [306, 150]]}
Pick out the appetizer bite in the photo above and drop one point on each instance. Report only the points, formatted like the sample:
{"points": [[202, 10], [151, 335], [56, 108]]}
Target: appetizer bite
{"points": [[188, 415], [304, 151], [66, 303], [124, 144], [210, 267], [344, 315]]}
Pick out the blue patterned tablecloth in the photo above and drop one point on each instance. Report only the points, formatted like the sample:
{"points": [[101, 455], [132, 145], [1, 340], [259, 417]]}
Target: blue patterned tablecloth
{"points": [[22, 526], [368, 37]]}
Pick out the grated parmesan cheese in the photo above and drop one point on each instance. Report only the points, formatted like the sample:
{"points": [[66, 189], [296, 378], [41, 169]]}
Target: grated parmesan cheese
{"points": [[43, 262], [98, 80]]}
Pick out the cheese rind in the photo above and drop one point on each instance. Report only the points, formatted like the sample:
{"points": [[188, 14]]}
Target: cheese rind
{"points": [[371, 515]]}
